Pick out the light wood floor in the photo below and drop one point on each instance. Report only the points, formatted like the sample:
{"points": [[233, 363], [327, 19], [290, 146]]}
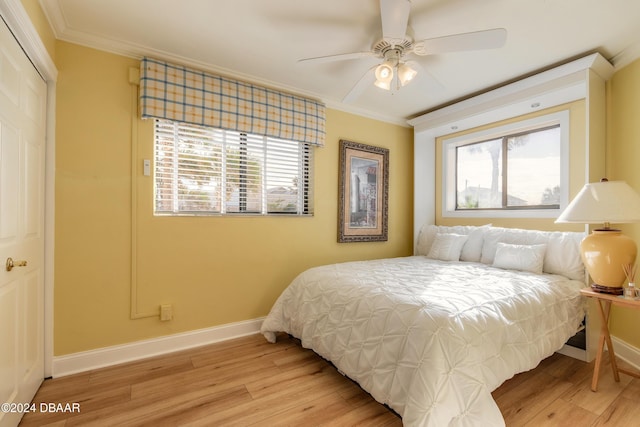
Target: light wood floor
{"points": [[249, 382]]}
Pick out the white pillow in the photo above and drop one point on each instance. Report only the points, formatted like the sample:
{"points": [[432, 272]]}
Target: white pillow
{"points": [[563, 255], [516, 236], [447, 247], [520, 257], [472, 249], [563, 248]]}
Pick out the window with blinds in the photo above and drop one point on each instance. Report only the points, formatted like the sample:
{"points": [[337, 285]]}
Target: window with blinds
{"points": [[203, 171]]}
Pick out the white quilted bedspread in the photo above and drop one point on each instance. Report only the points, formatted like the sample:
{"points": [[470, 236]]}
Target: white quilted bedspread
{"points": [[431, 339]]}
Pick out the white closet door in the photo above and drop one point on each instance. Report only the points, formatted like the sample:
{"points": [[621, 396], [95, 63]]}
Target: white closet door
{"points": [[22, 156]]}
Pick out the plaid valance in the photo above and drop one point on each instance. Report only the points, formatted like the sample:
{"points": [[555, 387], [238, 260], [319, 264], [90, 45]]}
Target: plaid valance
{"points": [[180, 94]]}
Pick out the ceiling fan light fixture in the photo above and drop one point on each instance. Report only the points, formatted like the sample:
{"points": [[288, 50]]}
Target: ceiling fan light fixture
{"points": [[384, 71], [398, 42], [384, 75], [406, 73], [383, 84]]}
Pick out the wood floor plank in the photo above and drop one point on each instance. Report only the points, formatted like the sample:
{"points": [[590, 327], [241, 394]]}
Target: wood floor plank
{"points": [[89, 401], [65, 386], [566, 368], [525, 401], [251, 412], [632, 390], [608, 391], [141, 370], [204, 377], [369, 414], [140, 412], [249, 382], [621, 413], [192, 409], [250, 350], [352, 393], [562, 413], [311, 374], [317, 411]]}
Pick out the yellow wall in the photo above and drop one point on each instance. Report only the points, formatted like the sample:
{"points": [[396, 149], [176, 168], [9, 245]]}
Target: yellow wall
{"points": [[623, 161], [214, 270], [576, 171]]}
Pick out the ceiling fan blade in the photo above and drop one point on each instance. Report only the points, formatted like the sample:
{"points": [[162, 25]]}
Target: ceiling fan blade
{"points": [[339, 57], [395, 18], [365, 81], [487, 39]]}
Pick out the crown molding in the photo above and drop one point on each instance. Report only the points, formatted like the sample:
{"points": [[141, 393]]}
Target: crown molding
{"points": [[626, 57], [22, 28]]}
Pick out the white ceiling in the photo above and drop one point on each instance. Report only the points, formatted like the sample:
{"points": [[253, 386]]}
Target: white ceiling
{"points": [[262, 40]]}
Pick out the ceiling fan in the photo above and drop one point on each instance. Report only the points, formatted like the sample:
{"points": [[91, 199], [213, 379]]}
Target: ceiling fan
{"points": [[395, 46]]}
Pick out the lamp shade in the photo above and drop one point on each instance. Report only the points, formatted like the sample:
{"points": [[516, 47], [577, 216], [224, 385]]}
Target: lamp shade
{"points": [[603, 203], [606, 250], [406, 73], [384, 75]]}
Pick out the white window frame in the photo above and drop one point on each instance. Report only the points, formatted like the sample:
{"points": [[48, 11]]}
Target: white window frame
{"points": [[448, 162]]}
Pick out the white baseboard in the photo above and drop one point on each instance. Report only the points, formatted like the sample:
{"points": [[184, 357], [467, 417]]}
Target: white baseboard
{"points": [[626, 352], [108, 356]]}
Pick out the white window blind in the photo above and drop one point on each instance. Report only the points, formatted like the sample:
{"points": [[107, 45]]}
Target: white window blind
{"points": [[200, 171]]}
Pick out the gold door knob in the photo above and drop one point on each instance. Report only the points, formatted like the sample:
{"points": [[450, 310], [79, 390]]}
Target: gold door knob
{"points": [[11, 263]]}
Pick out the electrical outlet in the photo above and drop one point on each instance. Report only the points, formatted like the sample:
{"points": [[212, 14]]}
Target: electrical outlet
{"points": [[166, 312]]}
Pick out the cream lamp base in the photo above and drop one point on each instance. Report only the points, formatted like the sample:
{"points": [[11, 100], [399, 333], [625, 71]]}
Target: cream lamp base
{"points": [[604, 252]]}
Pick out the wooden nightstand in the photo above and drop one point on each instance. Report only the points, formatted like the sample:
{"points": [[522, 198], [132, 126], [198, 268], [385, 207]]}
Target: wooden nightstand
{"points": [[604, 305]]}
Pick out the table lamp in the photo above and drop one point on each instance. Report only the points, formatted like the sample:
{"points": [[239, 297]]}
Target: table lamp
{"points": [[605, 250]]}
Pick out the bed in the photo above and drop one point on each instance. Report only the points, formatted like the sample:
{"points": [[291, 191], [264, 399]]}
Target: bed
{"points": [[432, 335]]}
